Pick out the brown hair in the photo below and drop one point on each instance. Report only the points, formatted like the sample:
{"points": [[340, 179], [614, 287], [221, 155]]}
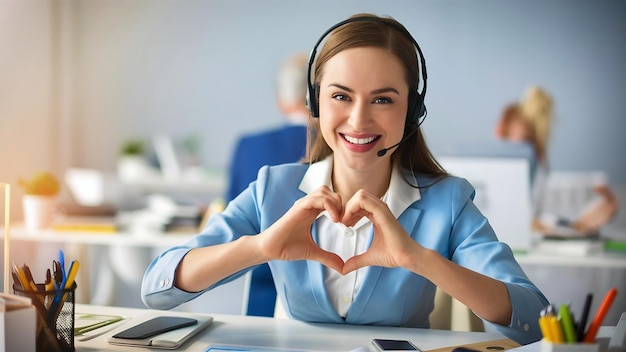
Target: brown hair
{"points": [[386, 33]]}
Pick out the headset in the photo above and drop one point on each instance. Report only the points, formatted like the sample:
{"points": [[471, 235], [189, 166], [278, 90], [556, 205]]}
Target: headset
{"points": [[417, 109]]}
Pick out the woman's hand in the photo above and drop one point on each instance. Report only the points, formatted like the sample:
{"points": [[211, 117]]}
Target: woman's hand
{"points": [[391, 247], [290, 237], [598, 213]]}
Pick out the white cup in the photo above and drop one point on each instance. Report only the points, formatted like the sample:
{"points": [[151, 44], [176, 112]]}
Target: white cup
{"points": [[39, 211]]}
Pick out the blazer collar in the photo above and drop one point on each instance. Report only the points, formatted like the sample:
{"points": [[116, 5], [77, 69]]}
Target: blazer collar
{"points": [[399, 196]]}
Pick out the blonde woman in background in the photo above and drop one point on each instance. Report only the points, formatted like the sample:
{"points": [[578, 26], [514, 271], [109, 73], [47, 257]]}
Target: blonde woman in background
{"points": [[530, 121]]}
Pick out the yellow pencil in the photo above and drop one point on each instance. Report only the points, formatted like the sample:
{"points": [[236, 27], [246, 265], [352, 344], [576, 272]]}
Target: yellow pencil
{"points": [[555, 329], [546, 331]]}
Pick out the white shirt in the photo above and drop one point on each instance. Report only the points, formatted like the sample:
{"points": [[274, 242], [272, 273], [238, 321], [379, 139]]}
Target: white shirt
{"points": [[347, 242]]}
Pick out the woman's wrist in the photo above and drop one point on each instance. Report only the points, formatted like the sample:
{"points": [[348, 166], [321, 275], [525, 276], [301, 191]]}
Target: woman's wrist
{"points": [[251, 245], [420, 259]]}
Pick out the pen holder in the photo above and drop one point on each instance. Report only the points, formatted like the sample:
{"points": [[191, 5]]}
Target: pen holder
{"points": [[55, 317], [569, 347]]}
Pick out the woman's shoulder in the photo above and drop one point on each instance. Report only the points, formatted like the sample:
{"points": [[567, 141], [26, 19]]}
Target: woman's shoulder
{"points": [[445, 184], [282, 174]]}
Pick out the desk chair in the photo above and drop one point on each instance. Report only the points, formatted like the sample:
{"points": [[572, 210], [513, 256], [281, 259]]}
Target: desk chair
{"points": [[450, 314], [230, 298]]}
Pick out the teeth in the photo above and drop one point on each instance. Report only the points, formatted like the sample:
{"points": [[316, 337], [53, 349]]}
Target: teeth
{"points": [[359, 140]]}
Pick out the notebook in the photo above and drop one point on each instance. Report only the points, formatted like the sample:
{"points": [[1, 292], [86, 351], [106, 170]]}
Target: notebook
{"points": [[169, 340]]}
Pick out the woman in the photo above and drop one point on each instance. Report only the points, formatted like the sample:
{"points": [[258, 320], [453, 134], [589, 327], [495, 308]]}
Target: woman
{"points": [[530, 122], [362, 232]]}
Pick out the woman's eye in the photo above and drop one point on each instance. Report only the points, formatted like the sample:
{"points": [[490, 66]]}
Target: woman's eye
{"points": [[383, 100], [340, 97]]}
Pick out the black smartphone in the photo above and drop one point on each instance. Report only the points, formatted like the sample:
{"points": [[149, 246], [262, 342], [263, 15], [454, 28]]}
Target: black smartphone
{"points": [[155, 326], [385, 345]]}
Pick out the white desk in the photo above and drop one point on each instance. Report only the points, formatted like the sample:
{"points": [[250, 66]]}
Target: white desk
{"points": [[284, 334]]}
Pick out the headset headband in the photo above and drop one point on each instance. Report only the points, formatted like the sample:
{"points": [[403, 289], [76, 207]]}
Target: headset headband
{"points": [[418, 108]]}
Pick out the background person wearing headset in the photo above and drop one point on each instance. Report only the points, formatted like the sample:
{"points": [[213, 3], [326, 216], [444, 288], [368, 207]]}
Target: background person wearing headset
{"points": [[367, 227], [529, 122], [279, 145]]}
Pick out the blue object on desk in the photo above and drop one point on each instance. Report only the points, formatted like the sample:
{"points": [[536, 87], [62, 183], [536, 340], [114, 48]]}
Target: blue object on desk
{"points": [[62, 262]]}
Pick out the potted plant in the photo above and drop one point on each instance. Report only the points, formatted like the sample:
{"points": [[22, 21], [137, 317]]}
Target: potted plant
{"points": [[39, 201], [131, 163], [132, 147]]}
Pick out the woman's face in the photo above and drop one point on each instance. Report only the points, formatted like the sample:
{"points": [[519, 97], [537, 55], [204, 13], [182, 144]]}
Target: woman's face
{"points": [[363, 105], [518, 130]]}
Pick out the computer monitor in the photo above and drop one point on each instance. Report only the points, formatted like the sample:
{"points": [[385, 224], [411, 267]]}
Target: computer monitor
{"points": [[502, 193]]}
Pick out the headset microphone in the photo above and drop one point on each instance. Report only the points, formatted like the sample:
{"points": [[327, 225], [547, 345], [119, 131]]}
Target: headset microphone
{"points": [[382, 152]]}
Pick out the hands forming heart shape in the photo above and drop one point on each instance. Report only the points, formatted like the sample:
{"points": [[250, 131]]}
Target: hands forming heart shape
{"points": [[290, 237]]}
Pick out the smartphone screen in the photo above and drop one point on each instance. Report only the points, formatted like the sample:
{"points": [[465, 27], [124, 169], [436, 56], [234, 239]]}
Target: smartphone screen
{"points": [[155, 326], [394, 345]]}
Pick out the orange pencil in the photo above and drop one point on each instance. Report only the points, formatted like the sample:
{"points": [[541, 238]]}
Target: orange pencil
{"points": [[590, 335]]}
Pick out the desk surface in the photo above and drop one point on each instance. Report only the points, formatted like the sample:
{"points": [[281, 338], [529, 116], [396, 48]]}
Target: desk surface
{"points": [[155, 239], [282, 334]]}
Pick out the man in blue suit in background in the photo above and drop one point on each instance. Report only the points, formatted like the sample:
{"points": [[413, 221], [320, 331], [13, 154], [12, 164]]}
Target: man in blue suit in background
{"points": [[275, 146]]}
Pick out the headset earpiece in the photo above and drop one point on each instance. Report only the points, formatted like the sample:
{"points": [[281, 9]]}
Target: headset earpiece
{"points": [[417, 110], [312, 100]]}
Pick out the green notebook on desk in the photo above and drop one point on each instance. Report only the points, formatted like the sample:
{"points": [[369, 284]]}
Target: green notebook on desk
{"points": [[615, 246]]}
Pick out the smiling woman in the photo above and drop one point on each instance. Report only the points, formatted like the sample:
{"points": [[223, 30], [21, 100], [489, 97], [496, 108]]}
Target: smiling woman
{"points": [[355, 234]]}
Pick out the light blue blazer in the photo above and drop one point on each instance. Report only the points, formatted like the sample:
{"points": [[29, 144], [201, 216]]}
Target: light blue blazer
{"points": [[445, 219]]}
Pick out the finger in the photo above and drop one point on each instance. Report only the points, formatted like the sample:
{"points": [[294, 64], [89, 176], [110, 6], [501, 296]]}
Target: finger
{"points": [[332, 202], [356, 262], [328, 259], [365, 204], [315, 203], [355, 209]]}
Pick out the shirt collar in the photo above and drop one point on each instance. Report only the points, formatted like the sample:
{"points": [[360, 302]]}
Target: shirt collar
{"points": [[399, 196]]}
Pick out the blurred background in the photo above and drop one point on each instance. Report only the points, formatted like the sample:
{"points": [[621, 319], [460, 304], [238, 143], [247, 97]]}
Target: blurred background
{"points": [[78, 78], [84, 83]]}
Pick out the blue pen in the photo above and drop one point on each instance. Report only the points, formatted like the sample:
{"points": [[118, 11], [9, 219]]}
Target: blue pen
{"points": [[62, 262]]}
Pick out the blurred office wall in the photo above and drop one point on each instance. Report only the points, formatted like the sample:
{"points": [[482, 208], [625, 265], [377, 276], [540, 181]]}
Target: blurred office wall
{"points": [[93, 73]]}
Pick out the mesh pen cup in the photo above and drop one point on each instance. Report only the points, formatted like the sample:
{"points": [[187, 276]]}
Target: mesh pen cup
{"points": [[55, 317]]}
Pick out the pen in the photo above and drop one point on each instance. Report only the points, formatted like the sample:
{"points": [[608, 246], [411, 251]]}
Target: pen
{"points": [[29, 278], [580, 331], [555, 329], [27, 273], [567, 324], [17, 281], [49, 285], [21, 278], [71, 276], [590, 335], [544, 325], [62, 263]]}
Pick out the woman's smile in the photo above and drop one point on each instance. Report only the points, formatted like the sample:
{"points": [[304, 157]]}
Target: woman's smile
{"points": [[360, 144]]}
